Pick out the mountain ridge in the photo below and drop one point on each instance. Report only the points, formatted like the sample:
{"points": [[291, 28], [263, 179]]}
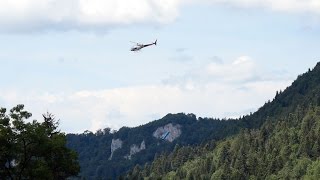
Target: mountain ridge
{"points": [[195, 131], [285, 146]]}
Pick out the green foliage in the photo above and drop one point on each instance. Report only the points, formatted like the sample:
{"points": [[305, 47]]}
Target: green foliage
{"points": [[313, 171], [281, 137], [281, 141], [282, 154], [33, 150], [94, 148]]}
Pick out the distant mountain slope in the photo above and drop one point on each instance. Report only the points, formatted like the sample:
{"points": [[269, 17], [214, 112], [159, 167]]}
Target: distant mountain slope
{"points": [[132, 146], [286, 146], [303, 91], [139, 145]]}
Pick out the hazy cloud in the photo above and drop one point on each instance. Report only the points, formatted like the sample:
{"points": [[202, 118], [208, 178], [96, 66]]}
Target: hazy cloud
{"points": [[180, 50], [311, 6], [182, 58], [99, 15], [133, 106], [38, 15], [210, 90], [216, 59], [240, 69]]}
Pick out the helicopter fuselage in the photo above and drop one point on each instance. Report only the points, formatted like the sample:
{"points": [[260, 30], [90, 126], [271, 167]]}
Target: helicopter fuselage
{"points": [[140, 46]]}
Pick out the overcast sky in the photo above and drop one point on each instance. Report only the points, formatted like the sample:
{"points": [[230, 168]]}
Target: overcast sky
{"points": [[214, 58]]}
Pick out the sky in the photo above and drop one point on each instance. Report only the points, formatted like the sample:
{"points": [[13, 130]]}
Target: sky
{"points": [[214, 58]]}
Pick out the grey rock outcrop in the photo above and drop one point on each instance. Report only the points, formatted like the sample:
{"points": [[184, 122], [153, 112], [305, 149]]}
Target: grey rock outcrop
{"points": [[115, 144], [134, 149], [168, 132]]}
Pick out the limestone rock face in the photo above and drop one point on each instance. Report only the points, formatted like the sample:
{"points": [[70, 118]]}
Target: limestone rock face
{"points": [[134, 149], [115, 144], [168, 132]]}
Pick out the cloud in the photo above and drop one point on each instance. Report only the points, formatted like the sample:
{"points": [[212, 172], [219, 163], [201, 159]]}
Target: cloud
{"points": [[216, 59], [181, 50], [182, 58], [181, 55], [99, 15], [133, 106], [295, 6], [239, 70], [212, 90], [37, 15]]}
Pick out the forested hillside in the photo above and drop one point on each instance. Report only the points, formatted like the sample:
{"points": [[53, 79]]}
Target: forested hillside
{"points": [[286, 146], [95, 148]]}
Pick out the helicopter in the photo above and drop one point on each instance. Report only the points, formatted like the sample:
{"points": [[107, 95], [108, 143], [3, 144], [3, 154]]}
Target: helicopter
{"points": [[138, 46]]}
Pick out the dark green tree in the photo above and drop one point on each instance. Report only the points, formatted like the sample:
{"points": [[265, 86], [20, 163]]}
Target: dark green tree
{"points": [[33, 150]]}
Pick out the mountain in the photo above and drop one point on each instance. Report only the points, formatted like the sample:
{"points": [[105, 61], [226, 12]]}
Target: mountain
{"points": [[303, 91], [106, 154], [281, 141], [288, 148]]}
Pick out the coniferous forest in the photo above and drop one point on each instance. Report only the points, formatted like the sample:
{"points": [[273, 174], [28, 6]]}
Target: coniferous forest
{"points": [[286, 148], [159, 90], [280, 140]]}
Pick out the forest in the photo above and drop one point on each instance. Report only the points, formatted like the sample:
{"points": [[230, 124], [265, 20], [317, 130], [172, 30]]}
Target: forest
{"points": [[287, 148], [205, 140], [279, 141]]}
